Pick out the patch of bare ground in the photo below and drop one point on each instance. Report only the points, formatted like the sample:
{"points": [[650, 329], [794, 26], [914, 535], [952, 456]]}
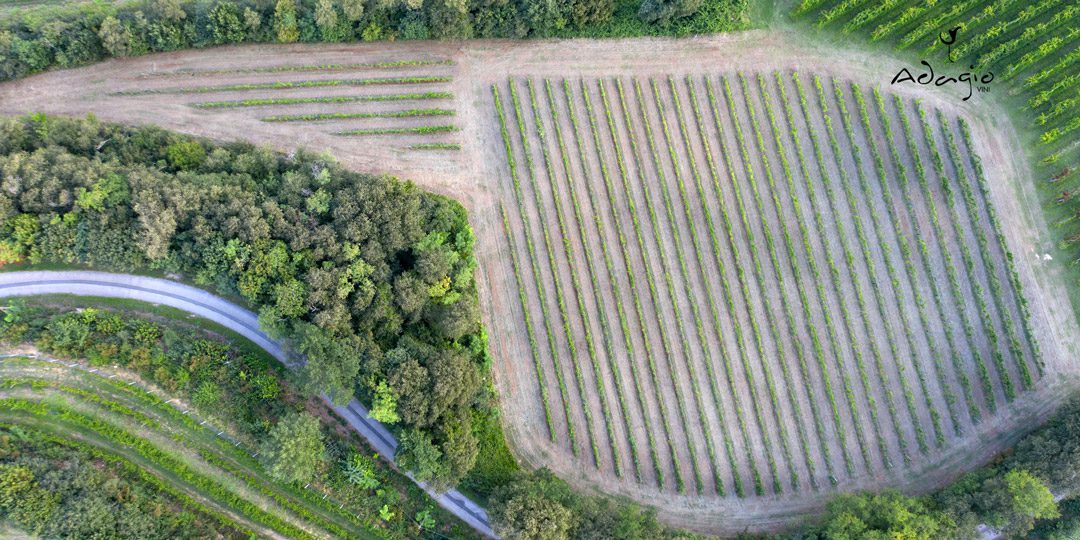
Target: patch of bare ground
{"points": [[720, 352]]}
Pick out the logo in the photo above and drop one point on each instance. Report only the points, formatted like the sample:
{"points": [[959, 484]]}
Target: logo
{"points": [[949, 41], [973, 80]]}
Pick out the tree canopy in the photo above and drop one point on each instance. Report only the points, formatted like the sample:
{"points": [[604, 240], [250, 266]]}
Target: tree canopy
{"points": [[368, 279]]}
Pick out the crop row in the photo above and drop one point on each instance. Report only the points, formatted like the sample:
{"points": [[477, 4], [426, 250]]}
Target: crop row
{"points": [[619, 230], [819, 281], [650, 279], [959, 297], [1014, 277], [388, 64], [189, 501], [760, 275], [669, 352], [407, 113], [594, 277], [879, 295], [286, 85], [583, 311], [792, 258], [906, 253], [261, 102], [965, 255], [744, 288], [123, 399], [716, 252], [435, 146], [59, 413], [871, 276], [421, 130], [924, 256], [836, 282], [533, 347], [536, 276], [564, 312], [774, 259], [997, 291], [694, 241]]}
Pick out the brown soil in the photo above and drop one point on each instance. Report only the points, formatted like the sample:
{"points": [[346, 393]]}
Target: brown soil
{"points": [[478, 176]]}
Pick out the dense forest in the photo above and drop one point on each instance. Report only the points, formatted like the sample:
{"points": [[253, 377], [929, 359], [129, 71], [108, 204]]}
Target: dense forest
{"points": [[66, 36], [369, 279]]}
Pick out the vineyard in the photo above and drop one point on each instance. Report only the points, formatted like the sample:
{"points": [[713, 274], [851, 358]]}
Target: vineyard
{"points": [[1032, 48], [405, 103], [753, 284]]}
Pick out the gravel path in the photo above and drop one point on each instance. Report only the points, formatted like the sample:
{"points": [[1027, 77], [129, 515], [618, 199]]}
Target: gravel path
{"points": [[235, 318]]}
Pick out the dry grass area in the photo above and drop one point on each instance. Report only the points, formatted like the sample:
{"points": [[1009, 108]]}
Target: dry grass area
{"points": [[734, 274]]}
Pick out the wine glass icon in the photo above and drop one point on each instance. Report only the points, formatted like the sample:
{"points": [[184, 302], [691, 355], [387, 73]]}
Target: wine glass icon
{"points": [[948, 41]]}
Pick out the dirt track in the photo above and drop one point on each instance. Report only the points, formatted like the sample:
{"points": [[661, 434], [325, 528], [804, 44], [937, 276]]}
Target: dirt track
{"points": [[476, 175]]}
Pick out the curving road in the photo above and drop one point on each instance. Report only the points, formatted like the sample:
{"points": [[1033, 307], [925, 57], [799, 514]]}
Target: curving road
{"points": [[244, 322]]}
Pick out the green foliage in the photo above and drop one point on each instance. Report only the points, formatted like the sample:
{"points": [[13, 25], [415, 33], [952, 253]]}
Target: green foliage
{"points": [[180, 359], [417, 453], [540, 506], [33, 40], [294, 450], [226, 23], [384, 404], [285, 23], [342, 293], [883, 516], [360, 471], [61, 491], [186, 155], [665, 11]]}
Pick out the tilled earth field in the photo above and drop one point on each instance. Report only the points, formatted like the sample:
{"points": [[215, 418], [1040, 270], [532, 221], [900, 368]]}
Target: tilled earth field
{"points": [[724, 276]]}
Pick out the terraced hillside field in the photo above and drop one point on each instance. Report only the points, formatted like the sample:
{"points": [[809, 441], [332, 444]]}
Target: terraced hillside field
{"points": [[119, 419], [755, 284]]}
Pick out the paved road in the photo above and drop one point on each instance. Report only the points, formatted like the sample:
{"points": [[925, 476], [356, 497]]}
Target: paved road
{"points": [[237, 319]]}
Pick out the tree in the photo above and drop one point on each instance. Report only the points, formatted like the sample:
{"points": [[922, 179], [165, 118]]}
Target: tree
{"points": [[22, 499], [225, 23], [663, 12], [530, 508], [330, 367], [384, 405], [585, 13], [115, 37], [459, 447], [354, 9], [186, 155], [327, 20], [1012, 502], [449, 19], [887, 515], [418, 455], [285, 23], [169, 10], [293, 451], [289, 297]]}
